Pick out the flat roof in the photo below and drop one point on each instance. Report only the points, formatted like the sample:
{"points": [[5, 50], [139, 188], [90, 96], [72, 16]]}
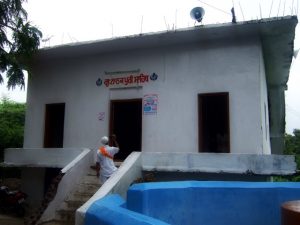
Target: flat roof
{"points": [[277, 35]]}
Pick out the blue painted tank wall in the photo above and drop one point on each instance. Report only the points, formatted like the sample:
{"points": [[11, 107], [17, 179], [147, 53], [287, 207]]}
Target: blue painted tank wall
{"points": [[196, 202], [111, 210]]}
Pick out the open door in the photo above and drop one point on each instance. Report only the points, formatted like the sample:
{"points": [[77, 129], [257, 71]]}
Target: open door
{"points": [[54, 125], [126, 124], [214, 122]]}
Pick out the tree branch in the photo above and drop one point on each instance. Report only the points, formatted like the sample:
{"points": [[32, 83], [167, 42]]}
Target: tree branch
{"points": [[10, 27]]}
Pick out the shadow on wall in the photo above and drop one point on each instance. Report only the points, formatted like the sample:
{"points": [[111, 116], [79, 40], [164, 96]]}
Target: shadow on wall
{"points": [[196, 202]]}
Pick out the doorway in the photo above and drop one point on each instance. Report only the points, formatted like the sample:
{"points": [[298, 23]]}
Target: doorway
{"points": [[126, 124], [54, 125], [214, 134]]}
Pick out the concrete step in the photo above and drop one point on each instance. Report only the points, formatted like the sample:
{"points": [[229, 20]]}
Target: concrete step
{"points": [[57, 222], [91, 172], [65, 205], [90, 179], [73, 203], [89, 185], [66, 214], [85, 190], [76, 200], [83, 196], [88, 188]]}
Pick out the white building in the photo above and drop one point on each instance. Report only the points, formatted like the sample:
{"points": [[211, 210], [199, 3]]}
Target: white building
{"points": [[215, 88]]}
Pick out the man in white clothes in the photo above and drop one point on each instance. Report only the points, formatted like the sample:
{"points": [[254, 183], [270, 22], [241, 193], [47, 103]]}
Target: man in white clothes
{"points": [[105, 158]]}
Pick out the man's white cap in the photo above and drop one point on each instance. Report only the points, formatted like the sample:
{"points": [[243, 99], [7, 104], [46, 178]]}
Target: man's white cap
{"points": [[104, 140]]}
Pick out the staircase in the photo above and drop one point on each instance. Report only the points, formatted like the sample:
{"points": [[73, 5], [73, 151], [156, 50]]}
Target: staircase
{"points": [[65, 214]]}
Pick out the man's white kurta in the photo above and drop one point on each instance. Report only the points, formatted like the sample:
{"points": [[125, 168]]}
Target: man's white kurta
{"points": [[107, 166]]}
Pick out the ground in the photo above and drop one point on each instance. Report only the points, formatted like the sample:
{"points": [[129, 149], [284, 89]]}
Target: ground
{"points": [[10, 220], [12, 184]]}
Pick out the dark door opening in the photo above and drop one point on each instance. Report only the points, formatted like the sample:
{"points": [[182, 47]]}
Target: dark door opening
{"points": [[214, 122], [126, 124], [50, 174], [54, 125]]}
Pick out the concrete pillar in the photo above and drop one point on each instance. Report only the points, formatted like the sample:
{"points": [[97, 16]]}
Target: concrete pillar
{"points": [[33, 185]]}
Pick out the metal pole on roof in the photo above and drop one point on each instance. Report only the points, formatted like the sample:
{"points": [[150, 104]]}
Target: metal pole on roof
{"points": [[260, 11], [283, 8], [278, 8], [242, 11], [142, 20], [167, 27], [271, 8], [176, 19]]}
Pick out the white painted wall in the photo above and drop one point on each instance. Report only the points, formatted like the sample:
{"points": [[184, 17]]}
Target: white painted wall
{"points": [[220, 163], [265, 129], [184, 72], [33, 185], [42, 157]]}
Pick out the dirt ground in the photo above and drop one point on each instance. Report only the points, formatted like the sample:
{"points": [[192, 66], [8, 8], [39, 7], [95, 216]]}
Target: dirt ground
{"points": [[12, 184], [10, 220]]}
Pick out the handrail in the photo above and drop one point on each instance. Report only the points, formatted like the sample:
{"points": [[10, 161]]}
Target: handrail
{"points": [[118, 183], [73, 172]]}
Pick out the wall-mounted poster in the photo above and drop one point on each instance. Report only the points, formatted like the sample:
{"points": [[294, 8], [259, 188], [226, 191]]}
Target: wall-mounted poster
{"points": [[150, 103]]}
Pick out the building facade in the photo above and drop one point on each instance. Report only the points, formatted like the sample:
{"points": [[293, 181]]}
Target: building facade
{"points": [[216, 88]]}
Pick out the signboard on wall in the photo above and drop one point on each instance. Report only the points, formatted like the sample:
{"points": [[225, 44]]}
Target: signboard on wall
{"points": [[150, 103], [123, 79], [127, 80]]}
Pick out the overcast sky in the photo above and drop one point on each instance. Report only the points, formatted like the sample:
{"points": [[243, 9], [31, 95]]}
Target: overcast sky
{"points": [[65, 21]]}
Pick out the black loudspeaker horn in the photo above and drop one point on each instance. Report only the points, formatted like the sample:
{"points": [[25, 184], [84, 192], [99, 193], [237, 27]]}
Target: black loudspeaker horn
{"points": [[197, 13]]}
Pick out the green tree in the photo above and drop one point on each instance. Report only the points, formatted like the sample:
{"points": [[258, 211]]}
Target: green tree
{"points": [[292, 147], [292, 143], [18, 41], [12, 119]]}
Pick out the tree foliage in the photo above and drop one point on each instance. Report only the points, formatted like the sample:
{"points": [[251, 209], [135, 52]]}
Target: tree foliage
{"points": [[18, 41], [292, 147], [292, 143], [12, 119]]}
